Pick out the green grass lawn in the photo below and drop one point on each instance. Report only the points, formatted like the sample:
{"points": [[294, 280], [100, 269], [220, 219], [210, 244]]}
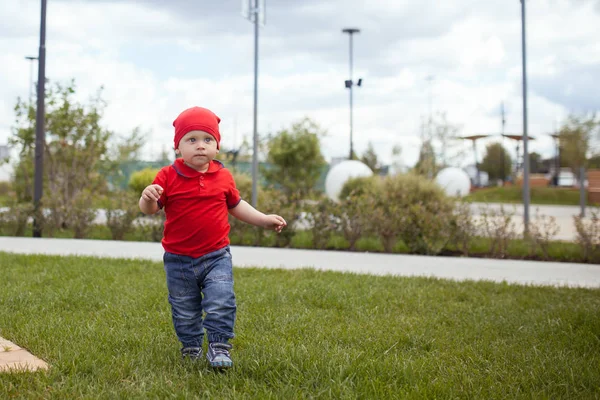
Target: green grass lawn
{"points": [[104, 326], [539, 195]]}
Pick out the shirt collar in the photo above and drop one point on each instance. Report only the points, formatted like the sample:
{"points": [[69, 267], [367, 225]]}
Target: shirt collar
{"points": [[186, 171]]}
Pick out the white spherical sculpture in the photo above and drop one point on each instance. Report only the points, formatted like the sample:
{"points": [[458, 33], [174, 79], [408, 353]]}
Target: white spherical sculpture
{"points": [[454, 181], [340, 173]]}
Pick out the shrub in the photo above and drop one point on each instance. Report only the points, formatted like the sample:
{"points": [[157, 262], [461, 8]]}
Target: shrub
{"points": [[322, 221], [142, 178], [428, 224], [121, 212], [353, 217], [368, 210], [5, 188], [275, 201], [464, 227], [405, 207], [60, 214], [359, 186], [81, 216], [413, 209], [244, 233], [152, 226], [588, 235], [13, 221], [499, 227], [541, 232]]}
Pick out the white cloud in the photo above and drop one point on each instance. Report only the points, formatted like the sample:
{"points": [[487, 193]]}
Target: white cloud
{"points": [[155, 59]]}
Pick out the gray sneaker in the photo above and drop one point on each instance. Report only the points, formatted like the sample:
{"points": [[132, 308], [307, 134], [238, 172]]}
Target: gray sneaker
{"points": [[191, 353], [218, 355]]}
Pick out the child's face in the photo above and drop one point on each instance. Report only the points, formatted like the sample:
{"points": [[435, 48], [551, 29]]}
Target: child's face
{"points": [[198, 149]]}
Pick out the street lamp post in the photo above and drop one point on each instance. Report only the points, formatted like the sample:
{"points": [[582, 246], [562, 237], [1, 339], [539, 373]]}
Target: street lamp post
{"points": [[349, 83], [253, 11], [429, 80], [502, 143], [556, 137], [525, 138], [31, 59], [39, 125]]}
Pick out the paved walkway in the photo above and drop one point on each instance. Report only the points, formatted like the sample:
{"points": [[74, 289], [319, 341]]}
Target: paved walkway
{"points": [[456, 268], [14, 358], [563, 216]]}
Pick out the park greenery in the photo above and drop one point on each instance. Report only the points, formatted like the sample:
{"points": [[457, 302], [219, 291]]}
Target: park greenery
{"points": [[404, 213], [103, 326]]}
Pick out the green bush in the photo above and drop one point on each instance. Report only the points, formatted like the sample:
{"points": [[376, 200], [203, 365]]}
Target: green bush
{"points": [[542, 231], [499, 226], [323, 222], [412, 209], [140, 179], [243, 182], [276, 202], [241, 232], [121, 212], [465, 228], [429, 213], [151, 226], [13, 221], [72, 213], [588, 235], [359, 186], [5, 188], [353, 217]]}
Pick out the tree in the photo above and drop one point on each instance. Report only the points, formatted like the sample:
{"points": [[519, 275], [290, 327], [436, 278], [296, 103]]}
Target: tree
{"points": [[536, 165], [166, 156], [295, 158], [77, 156], [594, 161], [397, 166], [124, 152], [74, 144], [496, 162], [426, 164], [438, 133], [446, 135], [369, 158], [576, 138]]}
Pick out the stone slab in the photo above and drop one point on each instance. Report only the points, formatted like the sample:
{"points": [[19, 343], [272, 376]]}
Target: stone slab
{"points": [[16, 359]]}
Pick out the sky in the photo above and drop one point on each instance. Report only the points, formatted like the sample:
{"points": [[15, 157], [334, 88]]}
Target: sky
{"points": [[463, 58]]}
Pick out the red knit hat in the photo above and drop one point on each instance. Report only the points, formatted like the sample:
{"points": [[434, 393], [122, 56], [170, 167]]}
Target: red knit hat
{"points": [[196, 119]]}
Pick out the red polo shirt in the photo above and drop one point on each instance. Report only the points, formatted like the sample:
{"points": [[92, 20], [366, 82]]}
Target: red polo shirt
{"points": [[196, 205]]}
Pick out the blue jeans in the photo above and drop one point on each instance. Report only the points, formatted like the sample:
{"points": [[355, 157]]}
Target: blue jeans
{"points": [[197, 286]]}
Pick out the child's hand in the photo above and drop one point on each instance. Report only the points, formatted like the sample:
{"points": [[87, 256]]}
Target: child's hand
{"points": [[152, 193], [274, 222]]}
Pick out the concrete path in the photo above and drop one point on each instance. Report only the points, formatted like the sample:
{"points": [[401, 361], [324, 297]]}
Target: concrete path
{"points": [[455, 268], [563, 216], [549, 210]]}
